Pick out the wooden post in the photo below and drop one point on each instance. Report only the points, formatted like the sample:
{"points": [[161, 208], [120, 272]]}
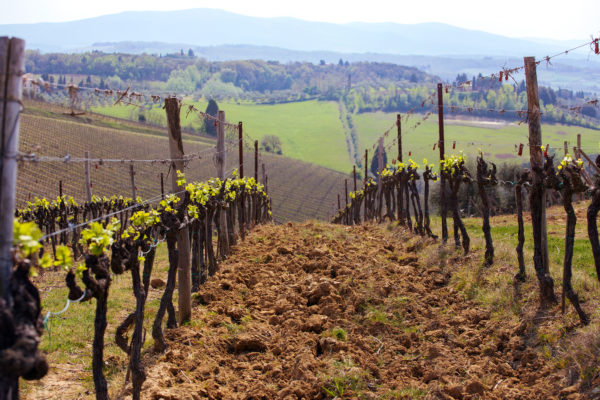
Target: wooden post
{"points": [[538, 191], [60, 190], [221, 160], [242, 223], [256, 160], [172, 107], [346, 190], [162, 186], [241, 147], [263, 171], [339, 202], [88, 180], [366, 164], [581, 196], [267, 184], [399, 123], [220, 156], [379, 158], [567, 149], [354, 175], [12, 67], [442, 157], [133, 188]]}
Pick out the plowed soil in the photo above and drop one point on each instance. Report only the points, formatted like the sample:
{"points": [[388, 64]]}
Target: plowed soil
{"points": [[312, 311]]}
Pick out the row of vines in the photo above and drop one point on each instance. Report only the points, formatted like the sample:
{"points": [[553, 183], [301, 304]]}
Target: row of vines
{"points": [[396, 193], [98, 240]]}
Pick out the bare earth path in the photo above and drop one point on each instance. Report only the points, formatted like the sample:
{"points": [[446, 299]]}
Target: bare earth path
{"points": [[312, 311]]}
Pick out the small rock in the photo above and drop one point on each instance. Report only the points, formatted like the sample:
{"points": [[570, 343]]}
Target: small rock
{"points": [[433, 351], [454, 391], [568, 391], [505, 369], [316, 253], [475, 387], [430, 376], [249, 343], [235, 313], [328, 345], [315, 323], [315, 295], [283, 251], [157, 283]]}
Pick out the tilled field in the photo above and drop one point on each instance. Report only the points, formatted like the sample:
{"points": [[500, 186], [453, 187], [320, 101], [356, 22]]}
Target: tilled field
{"points": [[313, 311]]}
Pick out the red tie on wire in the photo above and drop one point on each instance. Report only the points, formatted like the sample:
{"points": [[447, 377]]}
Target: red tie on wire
{"points": [[454, 145], [596, 46], [521, 149], [434, 146], [410, 153], [501, 73], [546, 150]]}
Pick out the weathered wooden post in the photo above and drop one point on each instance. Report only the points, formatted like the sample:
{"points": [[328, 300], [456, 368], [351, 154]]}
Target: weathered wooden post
{"points": [[379, 158], [442, 157], [581, 196], [354, 176], [399, 198], [220, 161], [256, 160], [162, 186], [366, 164], [88, 180], [241, 164], [172, 107], [538, 192], [566, 148], [365, 185], [264, 174], [346, 191], [12, 67], [132, 177], [399, 124]]}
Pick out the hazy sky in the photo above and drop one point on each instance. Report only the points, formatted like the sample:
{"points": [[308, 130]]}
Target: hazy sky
{"points": [[573, 19]]}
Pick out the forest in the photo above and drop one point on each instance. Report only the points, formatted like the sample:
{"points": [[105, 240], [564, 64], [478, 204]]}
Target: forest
{"points": [[362, 86]]}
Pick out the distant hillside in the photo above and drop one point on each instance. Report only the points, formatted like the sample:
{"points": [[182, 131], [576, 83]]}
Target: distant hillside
{"points": [[210, 27], [299, 190]]}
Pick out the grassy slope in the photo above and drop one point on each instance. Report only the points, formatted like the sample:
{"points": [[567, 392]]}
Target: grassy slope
{"points": [[498, 143], [299, 190], [309, 131], [323, 140]]}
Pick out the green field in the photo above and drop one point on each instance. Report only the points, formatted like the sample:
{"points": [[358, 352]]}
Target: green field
{"points": [[299, 190], [496, 141], [311, 131]]}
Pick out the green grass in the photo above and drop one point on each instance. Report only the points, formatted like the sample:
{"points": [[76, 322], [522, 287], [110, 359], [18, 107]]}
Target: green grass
{"points": [[67, 340], [309, 131], [299, 190], [497, 143]]}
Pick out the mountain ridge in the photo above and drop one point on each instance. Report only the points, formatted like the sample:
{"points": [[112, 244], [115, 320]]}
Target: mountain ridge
{"points": [[210, 27]]}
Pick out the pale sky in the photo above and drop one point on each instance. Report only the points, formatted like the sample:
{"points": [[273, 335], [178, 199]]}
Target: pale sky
{"points": [[573, 19]]}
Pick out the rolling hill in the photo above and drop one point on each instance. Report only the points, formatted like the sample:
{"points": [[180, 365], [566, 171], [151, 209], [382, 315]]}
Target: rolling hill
{"points": [[210, 27], [299, 190]]}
